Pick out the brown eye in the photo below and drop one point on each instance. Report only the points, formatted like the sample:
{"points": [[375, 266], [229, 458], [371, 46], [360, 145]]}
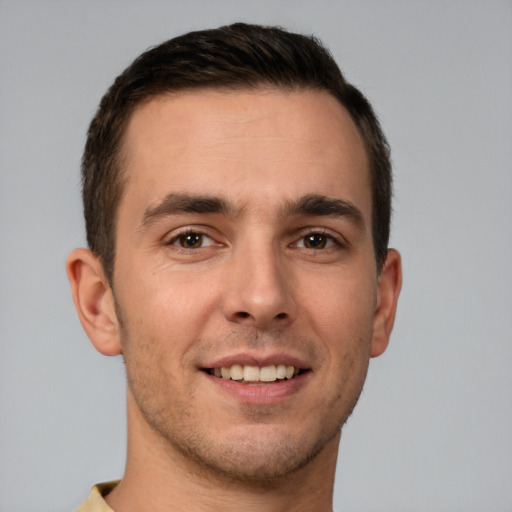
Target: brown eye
{"points": [[190, 241], [315, 241]]}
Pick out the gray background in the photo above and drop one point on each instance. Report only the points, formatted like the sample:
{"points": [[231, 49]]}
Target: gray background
{"points": [[433, 430]]}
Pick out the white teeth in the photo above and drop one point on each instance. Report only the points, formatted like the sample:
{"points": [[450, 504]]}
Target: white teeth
{"points": [[268, 373], [281, 371], [252, 373], [237, 372]]}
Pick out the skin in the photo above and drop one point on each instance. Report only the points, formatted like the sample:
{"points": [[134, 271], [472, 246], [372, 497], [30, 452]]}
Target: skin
{"points": [[263, 280]]}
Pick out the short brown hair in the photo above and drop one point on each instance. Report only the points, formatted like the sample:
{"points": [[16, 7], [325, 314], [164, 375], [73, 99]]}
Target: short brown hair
{"points": [[238, 56]]}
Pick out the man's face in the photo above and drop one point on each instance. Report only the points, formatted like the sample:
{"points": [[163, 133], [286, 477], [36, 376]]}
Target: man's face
{"points": [[244, 242]]}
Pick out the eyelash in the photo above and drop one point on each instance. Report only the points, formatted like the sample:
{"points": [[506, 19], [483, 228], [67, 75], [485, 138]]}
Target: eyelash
{"points": [[332, 240], [337, 240], [187, 232]]}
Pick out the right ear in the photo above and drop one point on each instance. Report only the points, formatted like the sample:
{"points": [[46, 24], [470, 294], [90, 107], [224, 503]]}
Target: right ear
{"points": [[94, 301]]}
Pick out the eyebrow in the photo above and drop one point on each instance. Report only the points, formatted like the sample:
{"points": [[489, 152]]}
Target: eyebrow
{"points": [[308, 205], [319, 205], [174, 204]]}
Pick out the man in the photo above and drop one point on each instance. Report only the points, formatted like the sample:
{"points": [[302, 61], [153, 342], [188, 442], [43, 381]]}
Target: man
{"points": [[237, 202]]}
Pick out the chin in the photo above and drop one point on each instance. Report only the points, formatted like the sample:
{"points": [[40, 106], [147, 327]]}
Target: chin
{"points": [[257, 460]]}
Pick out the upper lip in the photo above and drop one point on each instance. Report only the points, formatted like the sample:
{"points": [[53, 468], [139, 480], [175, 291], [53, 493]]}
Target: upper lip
{"points": [[246, 358]]}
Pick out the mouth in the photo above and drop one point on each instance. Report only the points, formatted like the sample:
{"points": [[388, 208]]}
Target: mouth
{"points": [[252, 374]]}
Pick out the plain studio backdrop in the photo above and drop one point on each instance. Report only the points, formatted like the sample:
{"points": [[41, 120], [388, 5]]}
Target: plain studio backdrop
{"points": [[433, 428]]}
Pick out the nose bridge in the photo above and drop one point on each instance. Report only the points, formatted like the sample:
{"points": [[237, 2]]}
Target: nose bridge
{"points": [[258, 288]]}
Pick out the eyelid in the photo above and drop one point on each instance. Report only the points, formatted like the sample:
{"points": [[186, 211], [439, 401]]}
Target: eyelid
{"points": [[337, 238], [171, 238]]}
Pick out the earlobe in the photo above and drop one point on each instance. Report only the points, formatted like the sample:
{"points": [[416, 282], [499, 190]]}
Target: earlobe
{"points": [[94, 301], [390, 283]]}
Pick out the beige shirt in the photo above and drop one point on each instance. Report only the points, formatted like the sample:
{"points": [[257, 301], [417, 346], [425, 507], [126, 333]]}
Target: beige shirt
{"points": [[95, 501]]}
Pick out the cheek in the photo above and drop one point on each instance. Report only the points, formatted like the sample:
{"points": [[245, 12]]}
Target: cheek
{"points": [[169, 307], [341, 305]]}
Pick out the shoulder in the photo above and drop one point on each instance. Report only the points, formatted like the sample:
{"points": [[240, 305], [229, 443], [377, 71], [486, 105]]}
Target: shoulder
{"points": [[95, 501]]}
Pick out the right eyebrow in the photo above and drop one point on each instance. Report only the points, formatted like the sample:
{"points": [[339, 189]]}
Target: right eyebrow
{"points": [[174, 204]]}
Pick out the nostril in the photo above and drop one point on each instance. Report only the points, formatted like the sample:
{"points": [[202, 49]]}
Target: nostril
{"points": [[242, 315]]}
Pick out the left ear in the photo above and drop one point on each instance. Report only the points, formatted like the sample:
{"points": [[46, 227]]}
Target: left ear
{"points": [[389, 285]]}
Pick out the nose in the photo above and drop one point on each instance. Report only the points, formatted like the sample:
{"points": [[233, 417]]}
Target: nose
{"points": [[259, 289]]}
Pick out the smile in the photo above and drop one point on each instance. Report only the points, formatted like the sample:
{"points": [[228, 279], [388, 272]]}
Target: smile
{"points": [[251, 373]]}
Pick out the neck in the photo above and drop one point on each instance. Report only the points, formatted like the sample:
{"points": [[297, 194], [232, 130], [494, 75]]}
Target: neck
{"points": [[160, 478]]}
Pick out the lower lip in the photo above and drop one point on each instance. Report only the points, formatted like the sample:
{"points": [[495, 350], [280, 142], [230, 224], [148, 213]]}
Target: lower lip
{"points": [[260, 393]]}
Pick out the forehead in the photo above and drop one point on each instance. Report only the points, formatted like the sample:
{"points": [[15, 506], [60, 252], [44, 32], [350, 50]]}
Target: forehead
{"points": [[268, 143]]}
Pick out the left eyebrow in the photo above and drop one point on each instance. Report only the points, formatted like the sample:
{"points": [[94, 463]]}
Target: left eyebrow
{"points": [[318, 205]]}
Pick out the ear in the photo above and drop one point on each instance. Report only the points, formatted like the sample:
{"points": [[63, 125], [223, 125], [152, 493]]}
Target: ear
{"points": [[94, 301], [389, 285]]}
